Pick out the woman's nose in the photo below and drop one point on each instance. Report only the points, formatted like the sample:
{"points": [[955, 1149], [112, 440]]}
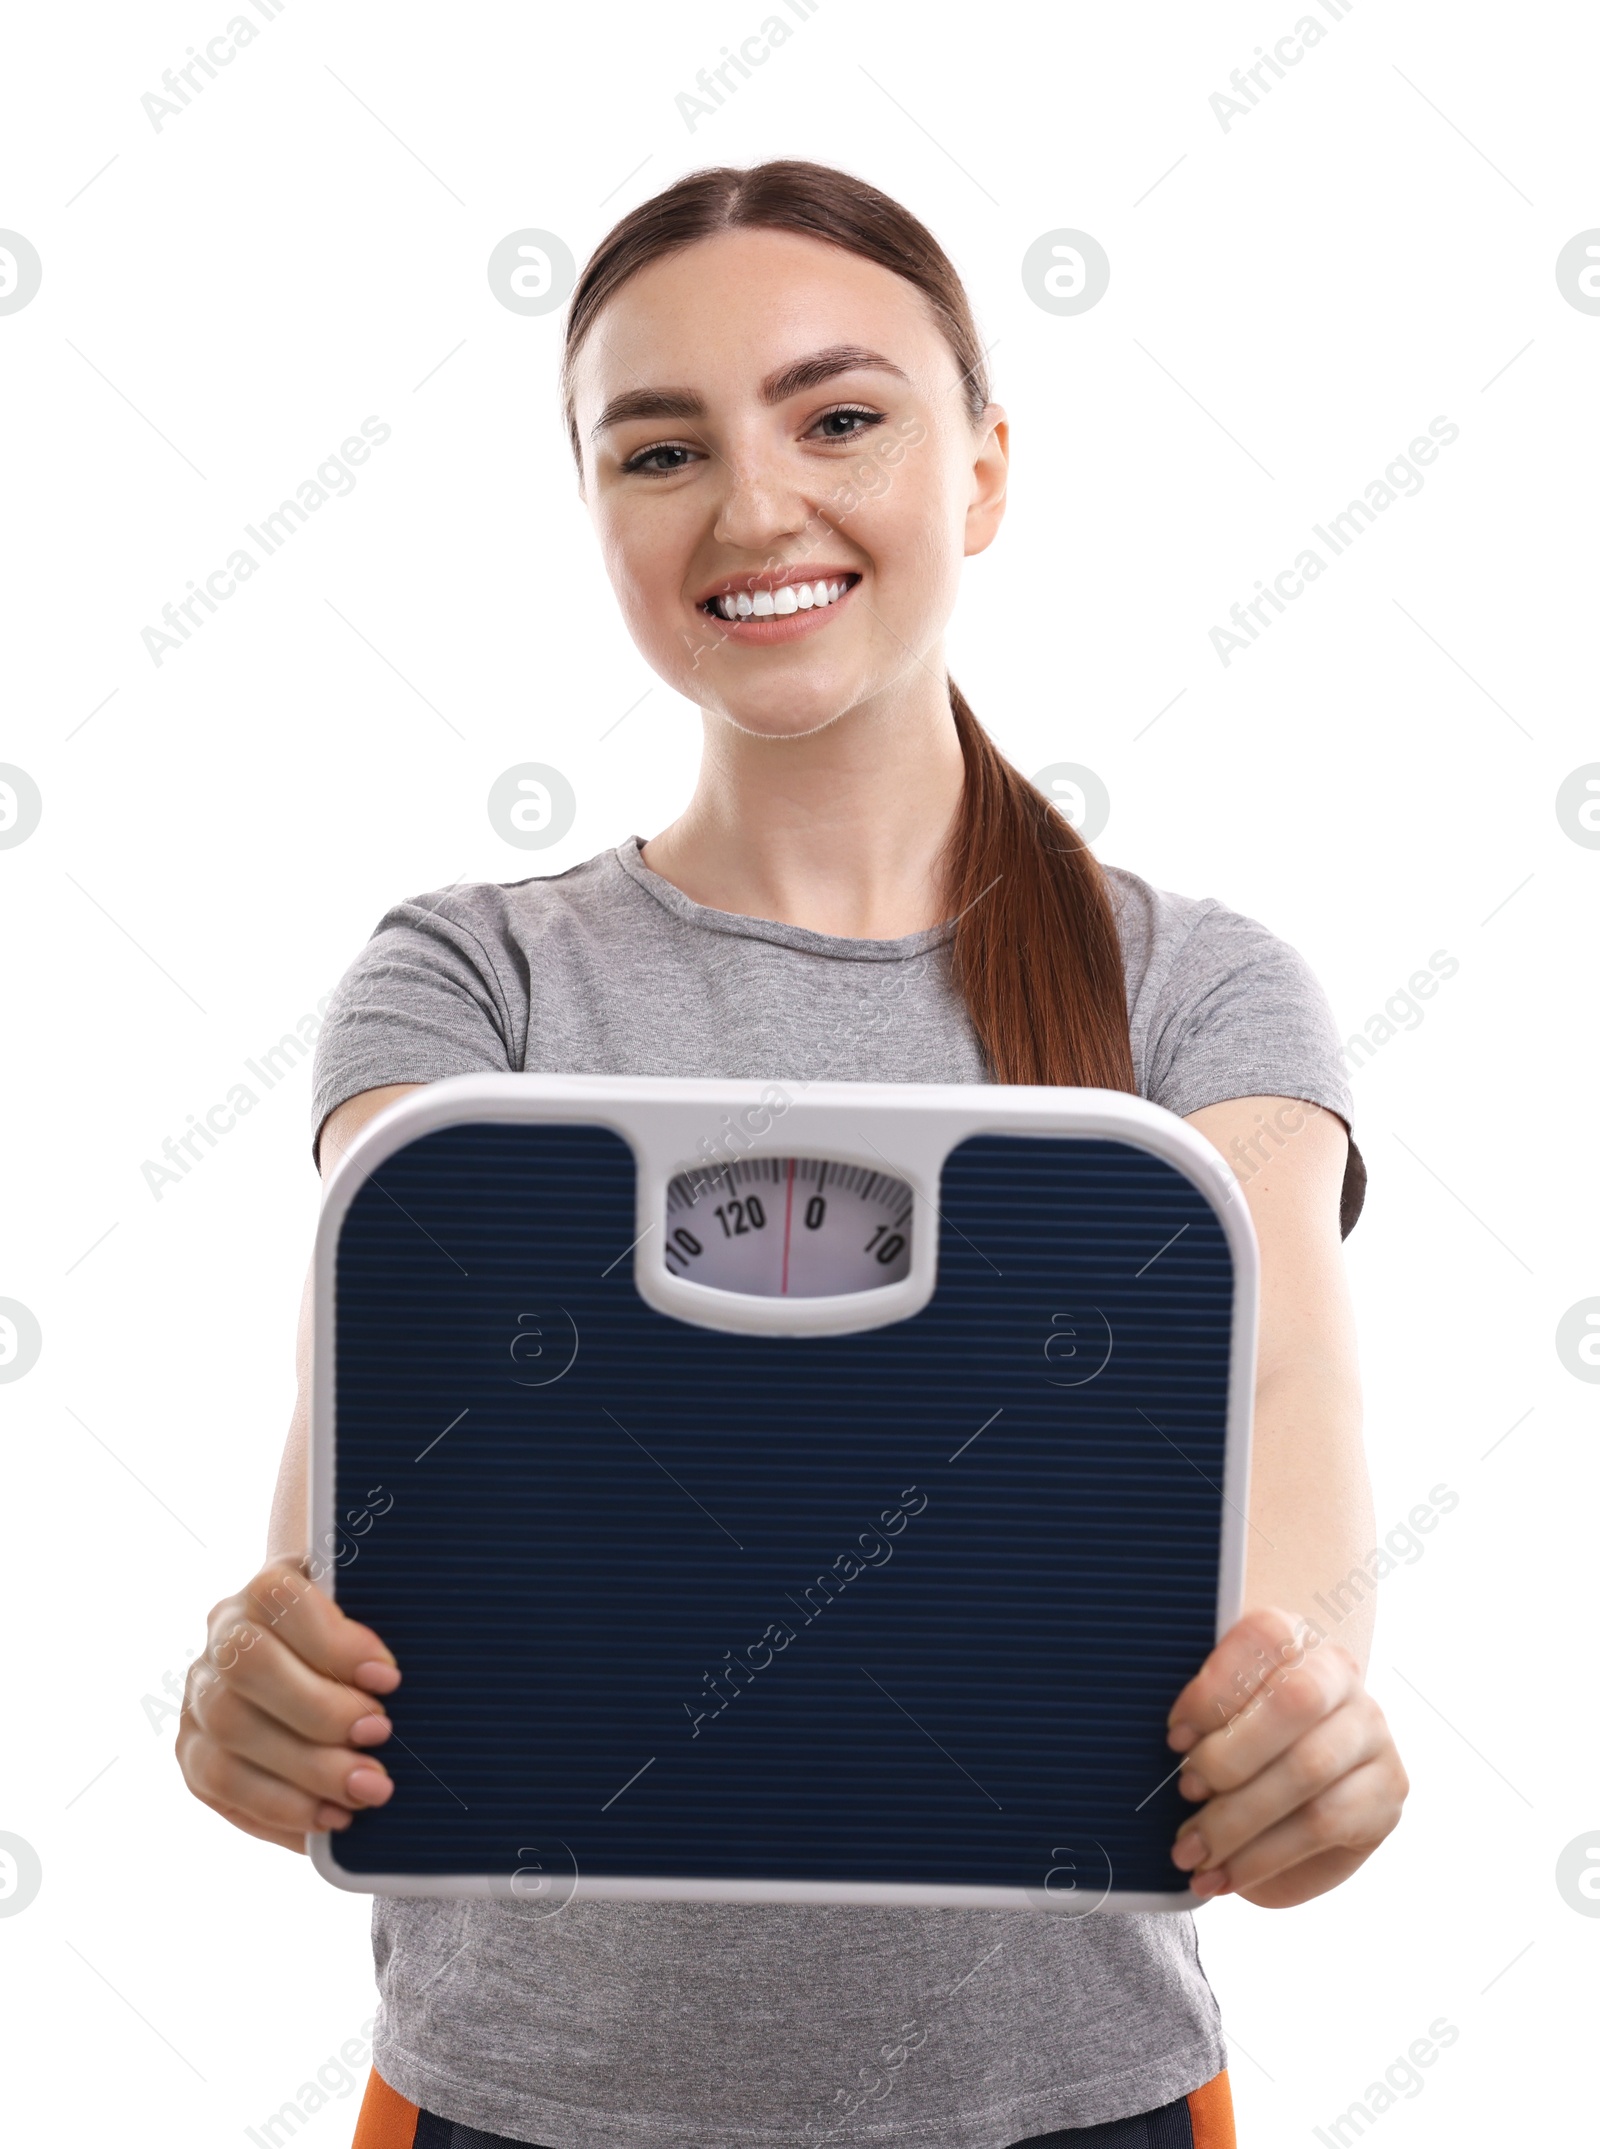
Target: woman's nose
{"points": [[761, 505]]}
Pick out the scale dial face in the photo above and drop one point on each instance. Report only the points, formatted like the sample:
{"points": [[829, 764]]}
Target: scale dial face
{"points": [[789, 1227]]}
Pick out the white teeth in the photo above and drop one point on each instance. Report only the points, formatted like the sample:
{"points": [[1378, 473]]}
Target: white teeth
{"points": [[779, 603]]}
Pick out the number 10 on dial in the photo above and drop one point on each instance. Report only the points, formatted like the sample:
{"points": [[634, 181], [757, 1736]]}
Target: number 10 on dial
{"points": [[789, 1227]]}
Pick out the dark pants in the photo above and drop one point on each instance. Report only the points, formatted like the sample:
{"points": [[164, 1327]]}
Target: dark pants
{"points": [[1168, 2128]]}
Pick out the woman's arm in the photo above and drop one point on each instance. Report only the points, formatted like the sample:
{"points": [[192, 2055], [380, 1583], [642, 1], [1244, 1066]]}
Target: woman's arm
{"points": [[1291, 1756], [1310, 1502]]}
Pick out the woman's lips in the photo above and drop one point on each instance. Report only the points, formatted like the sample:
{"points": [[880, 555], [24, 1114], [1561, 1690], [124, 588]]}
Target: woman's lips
{"points": [[782, 627]]}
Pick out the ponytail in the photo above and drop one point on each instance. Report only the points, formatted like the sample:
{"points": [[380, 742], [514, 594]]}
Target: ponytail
{"points": [[1035, 954]]}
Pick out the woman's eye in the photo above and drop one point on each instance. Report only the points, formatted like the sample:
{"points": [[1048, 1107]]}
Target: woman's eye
{"points": [[846, 424], [650, 462]]}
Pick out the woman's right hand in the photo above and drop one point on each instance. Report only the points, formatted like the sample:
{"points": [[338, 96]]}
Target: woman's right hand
{"points": [[281, 1709]]}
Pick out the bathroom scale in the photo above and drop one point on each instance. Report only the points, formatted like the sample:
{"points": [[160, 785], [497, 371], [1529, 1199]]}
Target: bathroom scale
{"points": [[781, 1493]]}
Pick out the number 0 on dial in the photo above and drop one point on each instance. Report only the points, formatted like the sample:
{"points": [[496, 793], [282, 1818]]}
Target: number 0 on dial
{"points": [[789, 1227]]}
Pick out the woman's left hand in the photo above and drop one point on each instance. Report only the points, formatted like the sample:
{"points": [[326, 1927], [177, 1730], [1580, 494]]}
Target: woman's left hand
{"points": [[1294, 1761]]}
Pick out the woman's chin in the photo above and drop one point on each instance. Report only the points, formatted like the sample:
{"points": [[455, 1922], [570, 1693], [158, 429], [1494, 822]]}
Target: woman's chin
{"points": [[790, 721]]}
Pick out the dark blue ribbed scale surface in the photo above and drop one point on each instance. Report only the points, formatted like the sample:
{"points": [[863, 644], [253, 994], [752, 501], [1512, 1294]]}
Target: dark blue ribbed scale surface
{"points": [[988, 1698]]}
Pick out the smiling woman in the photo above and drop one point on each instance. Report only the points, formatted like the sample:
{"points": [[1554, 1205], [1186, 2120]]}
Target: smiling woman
{"points": [[779, 411], [1033, 916]]}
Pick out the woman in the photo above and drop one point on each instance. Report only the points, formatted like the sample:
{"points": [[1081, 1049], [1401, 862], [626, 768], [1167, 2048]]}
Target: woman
{"points": [[777, 402]]}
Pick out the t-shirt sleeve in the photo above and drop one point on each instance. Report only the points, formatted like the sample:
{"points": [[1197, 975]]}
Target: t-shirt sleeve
{"points": [[1241, 1013], [421, 1001]]}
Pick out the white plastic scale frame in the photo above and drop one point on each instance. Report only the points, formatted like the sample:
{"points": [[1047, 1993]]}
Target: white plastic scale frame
{"points": [[675, 1124]]}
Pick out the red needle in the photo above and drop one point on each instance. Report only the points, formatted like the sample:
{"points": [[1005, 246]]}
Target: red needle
{"points": [[788, 1211]]}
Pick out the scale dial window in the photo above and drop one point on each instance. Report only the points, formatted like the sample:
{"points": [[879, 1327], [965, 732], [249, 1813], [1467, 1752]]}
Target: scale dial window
{"points": [[789, 1227]]}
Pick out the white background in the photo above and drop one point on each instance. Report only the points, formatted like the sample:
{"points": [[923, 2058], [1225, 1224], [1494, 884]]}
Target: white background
{"points": [[1291, 302]]}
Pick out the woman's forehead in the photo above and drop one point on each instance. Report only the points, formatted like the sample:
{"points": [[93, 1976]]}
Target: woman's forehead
{"points": [[735, 308]]}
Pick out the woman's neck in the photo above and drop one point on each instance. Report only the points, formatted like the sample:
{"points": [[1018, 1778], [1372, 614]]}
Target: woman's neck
{"points": [[839, 830]]}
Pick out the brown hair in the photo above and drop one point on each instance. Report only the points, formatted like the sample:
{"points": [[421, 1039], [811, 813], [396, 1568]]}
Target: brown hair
{"points": [[1035, 952]]}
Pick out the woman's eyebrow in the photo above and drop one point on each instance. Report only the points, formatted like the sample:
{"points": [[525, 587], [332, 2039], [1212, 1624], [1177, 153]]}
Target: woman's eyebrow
{"points": [[821, 366], [648, 403], [808, 372]]}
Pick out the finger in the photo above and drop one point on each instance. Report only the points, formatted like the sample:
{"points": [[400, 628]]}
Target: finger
{"points": [[236, 1787], [337, 1774], [1351, 1736], [326, 1816], [1354, 1814], [282, 1600], [1282, 1709], [280, 1682]]}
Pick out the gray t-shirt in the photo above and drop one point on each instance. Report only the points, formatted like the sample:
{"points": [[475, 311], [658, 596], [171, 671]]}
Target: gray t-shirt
{"points": [[740, 2026]]}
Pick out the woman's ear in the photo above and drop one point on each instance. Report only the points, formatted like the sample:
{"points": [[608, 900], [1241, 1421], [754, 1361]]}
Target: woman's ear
{"points": [[987, 507]]}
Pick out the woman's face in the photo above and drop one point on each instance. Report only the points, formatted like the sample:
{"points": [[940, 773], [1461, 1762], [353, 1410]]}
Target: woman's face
{"points": [[776, 427]]}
